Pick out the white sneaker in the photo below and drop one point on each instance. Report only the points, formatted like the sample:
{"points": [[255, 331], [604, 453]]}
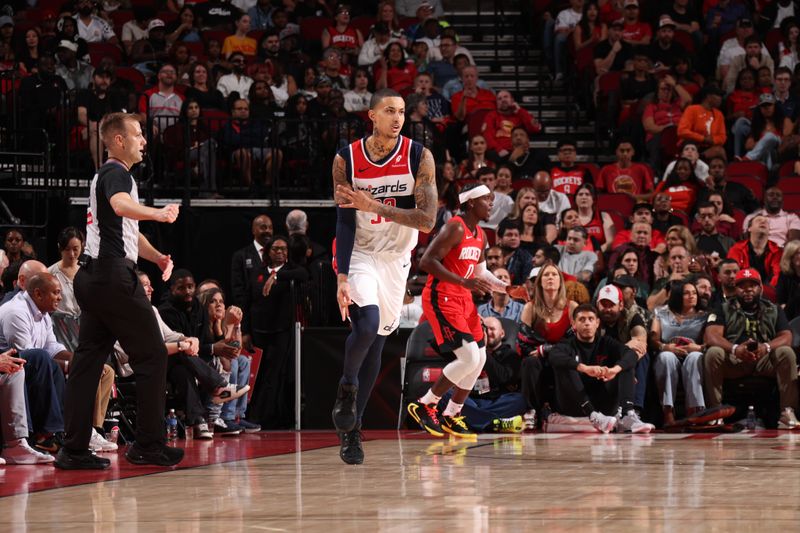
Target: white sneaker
{"points": [[631, 423], [2, 461], [23, 454], [529, 420], [603, 423], [98, 444], [202, 432], [558, 423], [788, 420]]}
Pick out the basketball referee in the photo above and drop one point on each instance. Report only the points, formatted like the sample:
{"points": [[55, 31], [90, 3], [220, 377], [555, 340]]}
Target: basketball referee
{"points": [[114, 306]]}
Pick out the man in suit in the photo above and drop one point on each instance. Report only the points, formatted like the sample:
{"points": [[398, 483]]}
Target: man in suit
{"points": [[244, 261]]}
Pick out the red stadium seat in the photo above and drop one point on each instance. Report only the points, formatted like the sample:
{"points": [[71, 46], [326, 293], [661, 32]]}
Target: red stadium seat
{"points": [[166, 16], [407, 22], [787, 169], [519, 184], [98, 51], [132, 75], [311, 27], [748, 168], [256, 34], [773, 37], [791, 202], [475, 122], [214, 34], [119, 18], [362, 24], [216, 118], [751, 182], [684, 39], [617, 218], [789, 186], [593, 169], [491, 236], [608, 82], [198, 50], [616, 201]]}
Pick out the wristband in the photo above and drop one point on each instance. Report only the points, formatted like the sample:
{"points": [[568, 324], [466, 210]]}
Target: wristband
{"points": [[733, 349], [769, 348]]}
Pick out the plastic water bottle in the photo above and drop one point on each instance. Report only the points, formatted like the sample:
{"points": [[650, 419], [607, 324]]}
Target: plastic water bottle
{"points": [[751, 418], [113, 435], [172, 425]]}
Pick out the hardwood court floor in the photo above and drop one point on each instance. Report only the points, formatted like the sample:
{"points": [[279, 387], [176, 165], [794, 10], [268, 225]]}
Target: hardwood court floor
{"points": [[410, 482]]}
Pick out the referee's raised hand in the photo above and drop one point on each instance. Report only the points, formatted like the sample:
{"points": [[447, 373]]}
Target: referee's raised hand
{"points": [[168, 213]]}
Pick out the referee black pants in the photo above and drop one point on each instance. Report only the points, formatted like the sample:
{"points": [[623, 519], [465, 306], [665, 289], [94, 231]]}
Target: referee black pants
{"points": [[115, 307]]}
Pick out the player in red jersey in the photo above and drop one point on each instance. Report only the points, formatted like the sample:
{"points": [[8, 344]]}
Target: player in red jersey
{"points": [[456, 266]]}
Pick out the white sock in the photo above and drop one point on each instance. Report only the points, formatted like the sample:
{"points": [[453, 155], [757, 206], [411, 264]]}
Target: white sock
{"points": [[430, 398], [453, 408]]}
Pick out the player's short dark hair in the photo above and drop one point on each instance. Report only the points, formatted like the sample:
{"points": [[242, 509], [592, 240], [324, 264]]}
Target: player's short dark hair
{"points": [[378, 97], [584, 308]]}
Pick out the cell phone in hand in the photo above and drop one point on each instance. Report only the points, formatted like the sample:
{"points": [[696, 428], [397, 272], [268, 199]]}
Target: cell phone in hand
{"points": [[235, 344], [752, 346]]}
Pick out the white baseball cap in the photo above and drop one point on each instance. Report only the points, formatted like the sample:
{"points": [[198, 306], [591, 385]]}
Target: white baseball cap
{"points": [[610, 293]]}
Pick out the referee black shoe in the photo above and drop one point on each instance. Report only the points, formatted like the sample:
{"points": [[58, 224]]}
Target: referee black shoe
{"points": [[155, 454], [344, 410], [351, 451], [85, 460]]}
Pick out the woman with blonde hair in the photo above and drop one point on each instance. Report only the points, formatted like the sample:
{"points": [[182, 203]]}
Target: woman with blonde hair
{"points": [[788, 284], [544, 322], [525, 197], [679, 235]]}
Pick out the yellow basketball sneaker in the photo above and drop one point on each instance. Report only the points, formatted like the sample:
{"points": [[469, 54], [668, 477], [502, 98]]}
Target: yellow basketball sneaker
{"points": [[455, 425], [515, 424]]}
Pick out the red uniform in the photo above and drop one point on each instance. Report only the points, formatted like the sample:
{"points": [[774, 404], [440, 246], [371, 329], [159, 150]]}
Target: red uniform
{"points": [[567, 180], [449, 307], [344, 40]]}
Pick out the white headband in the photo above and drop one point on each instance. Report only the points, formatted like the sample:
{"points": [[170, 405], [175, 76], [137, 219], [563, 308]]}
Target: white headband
{"points": [[477, 192]]}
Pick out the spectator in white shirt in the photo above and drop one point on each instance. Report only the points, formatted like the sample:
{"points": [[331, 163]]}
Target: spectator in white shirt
{"points": [[557, 32], [410, 8], [373, 47], [236, 81], [574, 259], [91, 28], [550, 201]]}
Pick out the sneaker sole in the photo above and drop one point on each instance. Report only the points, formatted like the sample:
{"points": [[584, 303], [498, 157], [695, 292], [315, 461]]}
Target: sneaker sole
{"points": [[143, 461], [75, 467], [342, 423], [433, 431], [252, 430], [781, 425], [457, 434]]}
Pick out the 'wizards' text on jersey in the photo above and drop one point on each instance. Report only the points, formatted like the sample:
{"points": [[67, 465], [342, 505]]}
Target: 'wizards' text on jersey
{"points": [[391, 181]]}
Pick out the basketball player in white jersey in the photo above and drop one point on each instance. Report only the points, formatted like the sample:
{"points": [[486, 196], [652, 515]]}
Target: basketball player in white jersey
{"points": [[385, 189]]}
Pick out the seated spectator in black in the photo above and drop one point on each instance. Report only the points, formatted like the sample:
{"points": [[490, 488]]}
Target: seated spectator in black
{"points": [[594, 376], [247, 144], [319, 106], [726, 286], [13, 247], [678, 263], [41, 98], [244, 260], [69, 31], [613, 53], [517, 261], [202, 147], [664, 49], [331, 66], [495, 404], [545, 321], [663, 219], [201, 89], [262, 102], [28, 50], [625, 175], [709, 240], [785, 99], [184, 27], [788, 287], [567, 176], [269, 324], [297, 224], [93, 103], [524, 161], [685, 17], [216, 15], [300, 136], [574, 259], [640, 82], [183, 312], [747, 336], [538, 228], [736, 194], [498, 125], [758, 251]]}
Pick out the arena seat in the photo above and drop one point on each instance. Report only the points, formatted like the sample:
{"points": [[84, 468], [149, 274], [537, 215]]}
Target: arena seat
{"points": [[616, 201], [132, 75], [789, 186], [214, 34], [787, 169], [363, 24], [311, 27], [519, 184], [98, 51], [748, 168], [684, 39], [751, 182], [771, 40], [791, 202], [593, 169]]}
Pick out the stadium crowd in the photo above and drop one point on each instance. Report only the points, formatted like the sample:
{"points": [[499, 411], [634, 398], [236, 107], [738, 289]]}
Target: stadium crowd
{"points": [[687, 244]]}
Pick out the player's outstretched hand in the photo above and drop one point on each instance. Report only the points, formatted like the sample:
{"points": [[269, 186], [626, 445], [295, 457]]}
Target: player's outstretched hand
{"points": [[355, 199], [169, 213], [165, 264], [518, 292]]}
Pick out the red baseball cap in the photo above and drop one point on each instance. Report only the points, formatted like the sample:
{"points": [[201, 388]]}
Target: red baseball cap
{"points": [[748, 274]]}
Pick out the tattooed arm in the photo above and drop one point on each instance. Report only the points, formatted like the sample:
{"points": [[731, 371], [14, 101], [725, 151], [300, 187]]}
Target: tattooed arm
{"points": [[345, 237], [422, 217], [339, 179]]}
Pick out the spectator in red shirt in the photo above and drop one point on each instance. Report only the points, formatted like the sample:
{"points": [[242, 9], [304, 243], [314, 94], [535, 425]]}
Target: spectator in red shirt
{"points": [[393, 70], [740, 106], [472, 98], [642, 213], [681, 185], [625, 175], [635, 32], [566, 175], [499, 124], [758, 251], [663, 114]]}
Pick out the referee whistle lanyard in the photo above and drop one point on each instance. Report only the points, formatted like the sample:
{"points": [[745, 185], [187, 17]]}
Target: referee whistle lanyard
{"points": [[116, 161]]}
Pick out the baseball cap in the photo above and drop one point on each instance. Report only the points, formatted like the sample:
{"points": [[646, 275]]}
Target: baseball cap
{"points": [[625, 281], [322, 80], [744, 23], [289, 31], [642, 205], [534, 272], [748, 274], [631, 3], [610, 293], [665, 21], [5, 20], [765, 99], [619, 23], [69, 45], [155, 23]]}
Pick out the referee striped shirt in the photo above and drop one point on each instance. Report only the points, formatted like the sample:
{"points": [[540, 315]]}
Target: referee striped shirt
{"points": [[107, 234]]}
